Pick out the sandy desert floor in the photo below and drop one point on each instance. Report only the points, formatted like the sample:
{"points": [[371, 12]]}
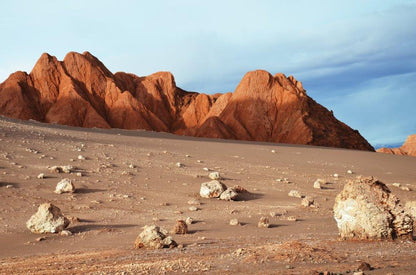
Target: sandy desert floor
{"points": [[130, 179]]}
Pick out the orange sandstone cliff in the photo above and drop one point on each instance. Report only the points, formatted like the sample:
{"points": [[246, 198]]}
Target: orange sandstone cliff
{"points": [[408, 148], [81, 91]]}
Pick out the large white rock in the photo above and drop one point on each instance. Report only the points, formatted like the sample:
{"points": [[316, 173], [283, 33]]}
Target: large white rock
{"points": [[211, 189], [154, 237], [65, 186], [366, 209], [48, 219]]}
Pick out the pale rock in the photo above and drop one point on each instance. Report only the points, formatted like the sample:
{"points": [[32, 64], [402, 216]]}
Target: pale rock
{"points": [[214, 175], [65, 186], [294, 193], [81, 157], [178, 164], [263, 222], [318, 183], [41, 176], [193, 208], [211, 189], [350, 172], [65, 233], [154, 237], [229, 194], [194, 202], [307, 202], [292, 218], [48, 219], [205, 169], [405, 188], [234, 222], [366, 209], [189, 220]]}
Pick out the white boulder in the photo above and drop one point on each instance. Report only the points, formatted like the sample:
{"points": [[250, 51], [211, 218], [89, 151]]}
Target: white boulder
{"points": [[65, 186], [154, 237], [48, 219], [229, 194], [211, 189], [366, 209]]}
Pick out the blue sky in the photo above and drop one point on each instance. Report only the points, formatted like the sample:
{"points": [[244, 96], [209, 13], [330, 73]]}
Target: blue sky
{"points": [[357, 58]]}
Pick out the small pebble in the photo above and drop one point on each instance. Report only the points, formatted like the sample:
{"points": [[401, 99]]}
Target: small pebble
{"points": [[234, 222]]}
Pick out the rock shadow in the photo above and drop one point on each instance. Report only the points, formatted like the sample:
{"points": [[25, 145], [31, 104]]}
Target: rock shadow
{"points": [[5, 184], [88, 190], [99, 227], [248, 196]]}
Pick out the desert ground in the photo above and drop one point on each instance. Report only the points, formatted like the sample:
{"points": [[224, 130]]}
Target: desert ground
{"points": [[131, 179]]}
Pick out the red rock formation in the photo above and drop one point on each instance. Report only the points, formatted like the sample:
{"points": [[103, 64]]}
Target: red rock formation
{"points": [[81, 91], [408, 148]]}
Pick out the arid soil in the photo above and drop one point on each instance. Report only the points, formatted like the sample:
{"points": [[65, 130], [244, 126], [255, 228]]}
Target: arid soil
{"points": [[131, 179]]}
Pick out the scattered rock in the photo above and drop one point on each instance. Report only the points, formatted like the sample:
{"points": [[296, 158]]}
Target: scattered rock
{"points": [[206, 169], [40, 239], [178, 164], [350, 172], [79, 174], [48, 219], [212, 189], [194, 202], [62, 169], [292, 218], [307, 202], [366, 209], [189, 220], [80, 157], [318, 183], [364, 267], [9, 186], [154, 237], [65, 233], [273, 151], [405, 188], [73, 219], [294, 193], [396, 184], [214, 175], [193, 208], [336, 176], [234, 222], [41, 176], [229, 194], [263, 222], [180, 227], [65, 186]]}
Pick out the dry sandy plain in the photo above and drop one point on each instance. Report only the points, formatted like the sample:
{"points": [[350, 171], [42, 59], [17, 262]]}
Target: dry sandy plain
{"points": [[130, 179]]}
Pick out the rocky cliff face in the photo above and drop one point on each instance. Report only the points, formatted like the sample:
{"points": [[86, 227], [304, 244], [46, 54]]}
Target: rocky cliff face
{"points": [[81, 91], [408, 148]]}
